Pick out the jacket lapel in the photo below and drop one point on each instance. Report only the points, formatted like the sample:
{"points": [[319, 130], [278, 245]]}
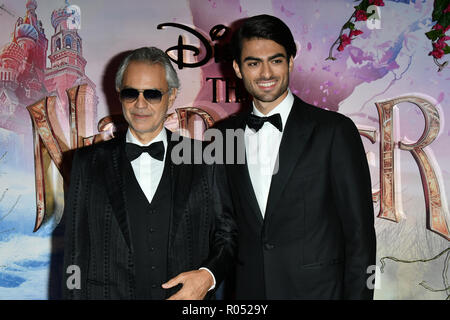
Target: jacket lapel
{"points": [[114, 170], [180, 184], [295, 138], [240, 173]]}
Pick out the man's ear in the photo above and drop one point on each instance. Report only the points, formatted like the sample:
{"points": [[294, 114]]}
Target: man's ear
{"points": [[172, 96], [237, 69], [291, 64]]}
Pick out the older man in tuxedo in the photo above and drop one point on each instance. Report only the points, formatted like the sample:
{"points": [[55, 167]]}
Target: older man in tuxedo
{"points": [[303, 197], [139, 225]]}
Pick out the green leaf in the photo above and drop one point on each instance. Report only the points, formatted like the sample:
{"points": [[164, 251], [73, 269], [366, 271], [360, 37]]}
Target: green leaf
{"points": [[349, 25], [447, 49], [439, 7], [444, 20], [434, 34], [364, 5]]}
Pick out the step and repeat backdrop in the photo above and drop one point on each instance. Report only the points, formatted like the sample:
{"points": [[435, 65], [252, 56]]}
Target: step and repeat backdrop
{"points": [[57, 65]]}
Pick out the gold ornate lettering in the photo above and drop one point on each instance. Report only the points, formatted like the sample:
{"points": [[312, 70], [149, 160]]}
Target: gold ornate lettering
{"points": [[436, 212]]}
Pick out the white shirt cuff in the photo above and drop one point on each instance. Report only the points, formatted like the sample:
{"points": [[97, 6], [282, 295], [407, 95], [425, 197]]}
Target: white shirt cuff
{"points": [[214, 278]]}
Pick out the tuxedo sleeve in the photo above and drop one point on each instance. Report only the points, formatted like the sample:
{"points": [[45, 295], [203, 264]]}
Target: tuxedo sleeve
{"points": [[224, 236], [76, 236], [353, 197]]}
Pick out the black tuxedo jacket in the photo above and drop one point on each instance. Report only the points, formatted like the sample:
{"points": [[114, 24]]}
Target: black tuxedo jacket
{"points": [[202, 232], [317, 238]]}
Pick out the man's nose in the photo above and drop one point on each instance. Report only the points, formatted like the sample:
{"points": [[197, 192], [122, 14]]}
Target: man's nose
{"points": [[266, 70], [140, 101]]}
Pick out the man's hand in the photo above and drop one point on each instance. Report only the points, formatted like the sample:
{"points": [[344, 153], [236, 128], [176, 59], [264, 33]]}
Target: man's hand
{"points": [[195, 285]]}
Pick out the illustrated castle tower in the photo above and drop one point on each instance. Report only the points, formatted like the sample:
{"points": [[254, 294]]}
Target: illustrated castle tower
{"points": [[25, 79], [22, 70], [68, 68]]}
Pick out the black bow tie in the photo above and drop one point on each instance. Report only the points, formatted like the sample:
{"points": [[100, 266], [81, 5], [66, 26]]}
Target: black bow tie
{"points": [[255, 122], [156, 150]]}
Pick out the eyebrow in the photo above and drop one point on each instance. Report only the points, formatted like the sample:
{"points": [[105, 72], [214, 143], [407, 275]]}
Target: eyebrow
{"points": [[259, 59], [154, 88]]}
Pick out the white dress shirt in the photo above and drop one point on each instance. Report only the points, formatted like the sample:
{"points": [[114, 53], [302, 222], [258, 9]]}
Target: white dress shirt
{"points": [[149, 171], [262, 150]]}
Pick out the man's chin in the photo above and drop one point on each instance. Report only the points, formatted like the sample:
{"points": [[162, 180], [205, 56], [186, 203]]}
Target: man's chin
{"points": [[147, 130], [267, 98], [270, 96]]}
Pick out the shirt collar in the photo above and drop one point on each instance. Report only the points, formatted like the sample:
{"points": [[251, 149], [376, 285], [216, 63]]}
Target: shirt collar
{"points": [[284, 108], [162, 136]]}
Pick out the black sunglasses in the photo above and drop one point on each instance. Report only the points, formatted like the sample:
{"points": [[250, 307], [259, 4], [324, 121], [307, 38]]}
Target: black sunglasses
{"points": [[151, 95]]}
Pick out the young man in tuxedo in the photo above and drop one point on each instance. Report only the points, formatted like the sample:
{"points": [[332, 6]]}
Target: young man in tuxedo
{"points": [[303, 198], [138, 224]]}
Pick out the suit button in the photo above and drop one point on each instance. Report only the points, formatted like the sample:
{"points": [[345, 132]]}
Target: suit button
{"points": [[152, 249], [268, 246], [152, 211], [152, 230], [153, 267], [153, 286]]}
